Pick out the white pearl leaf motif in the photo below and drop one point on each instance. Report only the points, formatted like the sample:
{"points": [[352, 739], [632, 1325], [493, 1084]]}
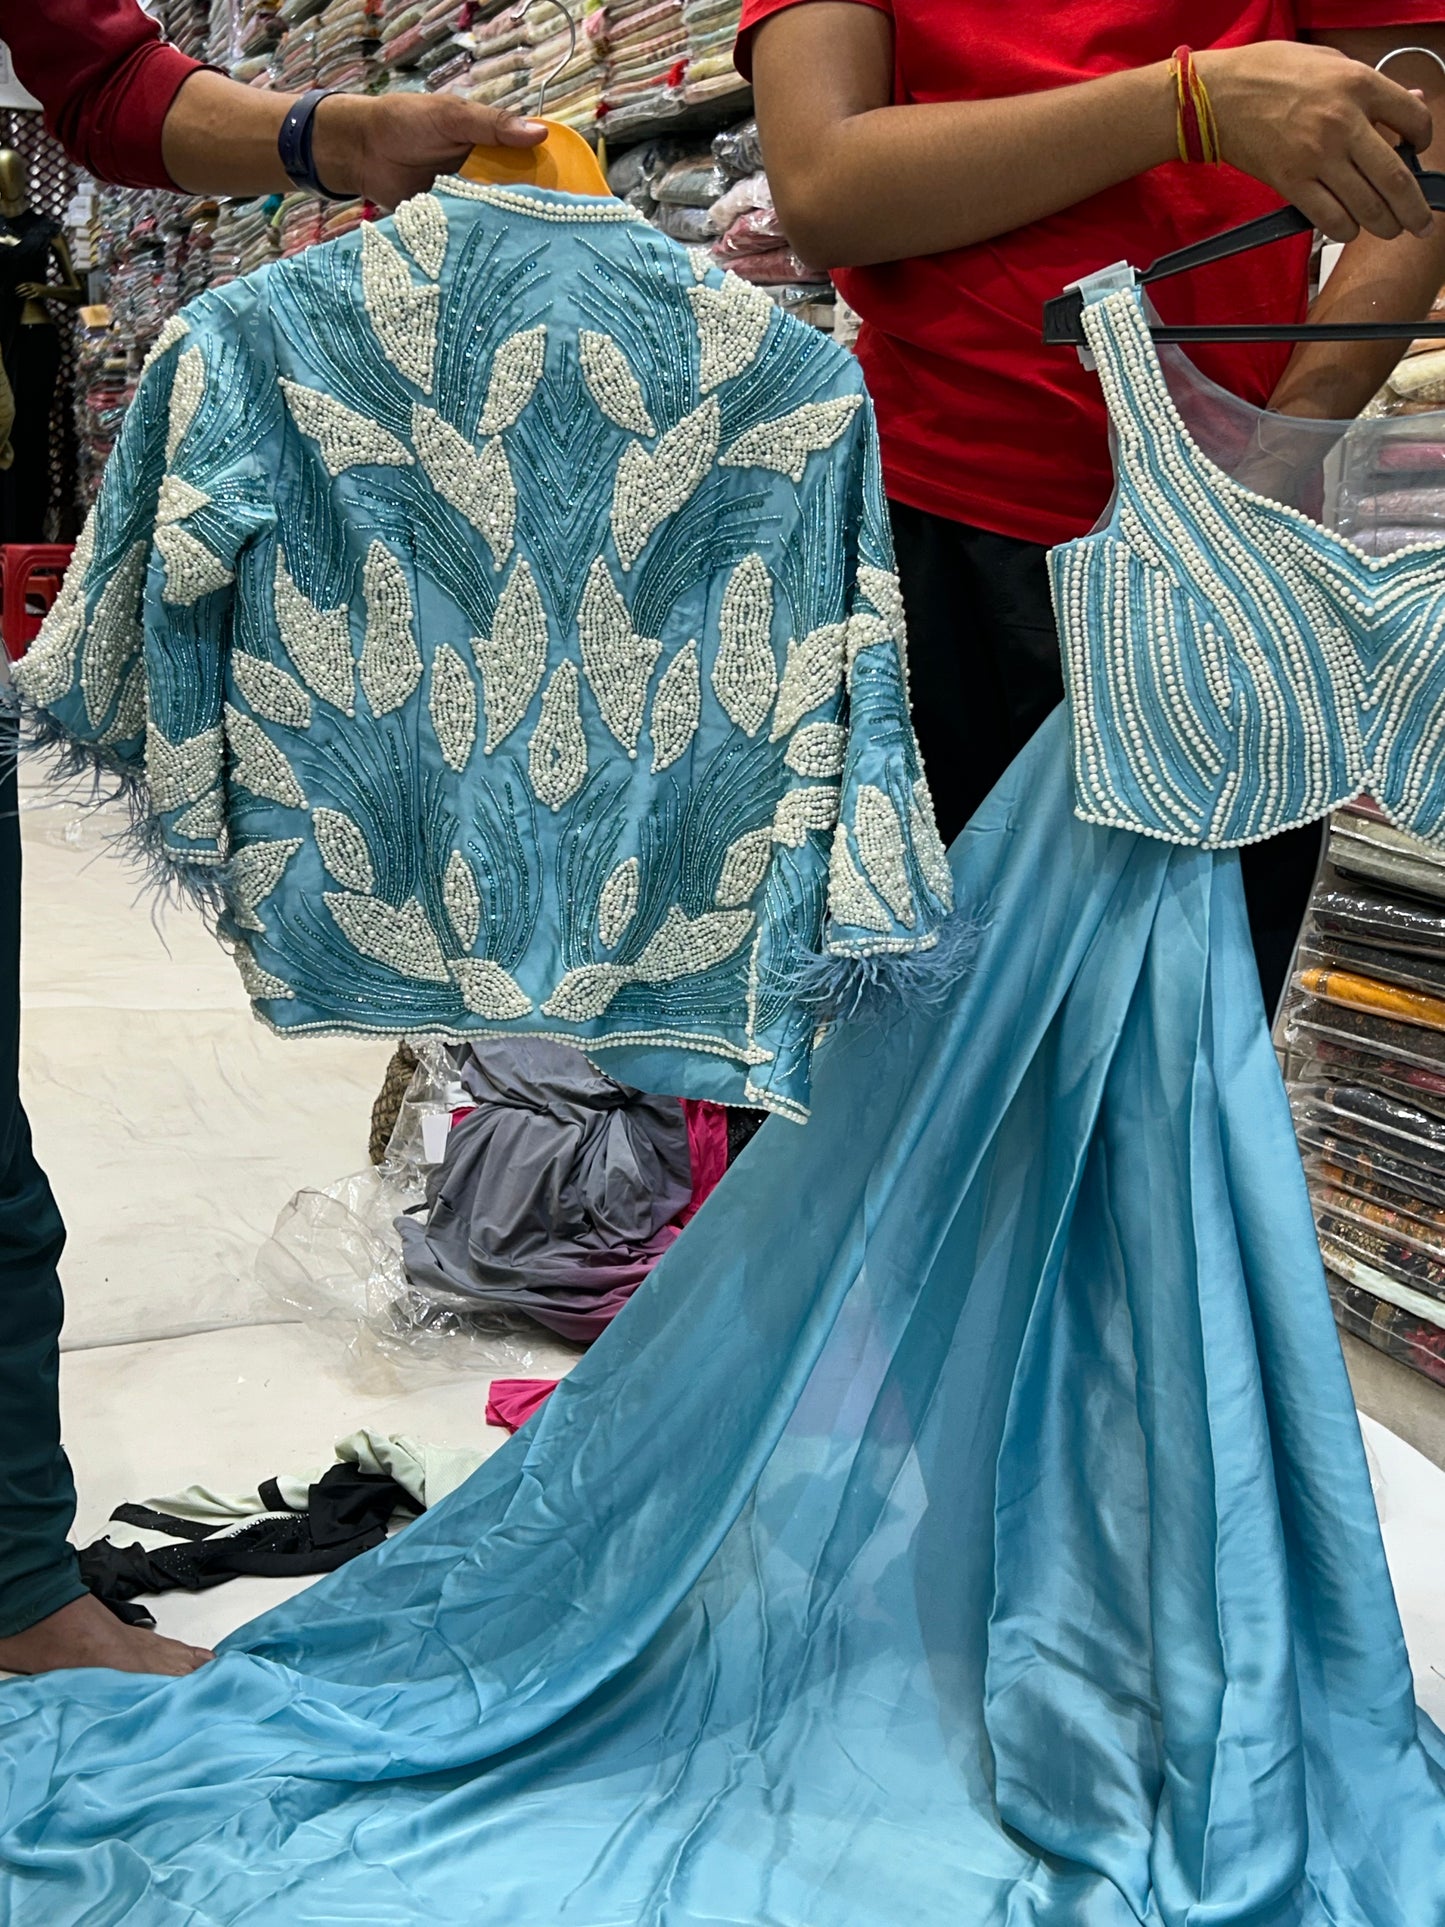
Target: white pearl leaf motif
{"points": [[867, 631], [702, 263], [800, 811], [818, 749], [178, 499], [612, 384], [480, 487], [192, 570], [745, 670], [345, 439], [402, 939], [270, 691], [881, 588], [557, 755], [619, 663], [129, 720], [850, 901], [928, 845], [880, 844], [204, 820], [462, 899], [179, 773], [175, 328], [253, 873], [812, 675], [47, 669], [453, 704], [676, 708], [390, 659], [650, 487], [257, 983], [745, 864], [686, 946], [115, 637], [488, 991], [516, 370], [731, 323], [343, 850], [422, 224], [188, 385], [513, 659], [260, 766], [617, 905], [403, 314], [786, 444], [318, 641], [586, 992]]}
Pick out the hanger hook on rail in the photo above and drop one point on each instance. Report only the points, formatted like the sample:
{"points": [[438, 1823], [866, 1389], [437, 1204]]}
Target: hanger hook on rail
{"points": [[520, 12]]}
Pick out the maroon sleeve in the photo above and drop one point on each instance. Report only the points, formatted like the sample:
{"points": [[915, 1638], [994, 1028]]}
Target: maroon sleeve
{"points": [[105, 78], [755, 12]]}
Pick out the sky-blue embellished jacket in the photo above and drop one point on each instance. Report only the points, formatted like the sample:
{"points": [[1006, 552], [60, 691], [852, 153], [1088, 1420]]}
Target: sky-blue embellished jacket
{"points": [[497, 606]]}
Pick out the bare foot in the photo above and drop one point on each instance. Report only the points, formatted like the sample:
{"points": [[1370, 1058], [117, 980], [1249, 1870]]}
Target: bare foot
{"points": [[85, 1633]]}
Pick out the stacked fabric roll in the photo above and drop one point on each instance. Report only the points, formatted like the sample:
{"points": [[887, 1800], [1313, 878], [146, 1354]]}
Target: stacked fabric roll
{"points": [[187, 25], [575, 85], [501, 73], [711, 27], [1365, 1028], [294, 66], [646, 66], [298, 223], [222, 33], [348, 36], [244, 238], [258, 28], [417, 39]]}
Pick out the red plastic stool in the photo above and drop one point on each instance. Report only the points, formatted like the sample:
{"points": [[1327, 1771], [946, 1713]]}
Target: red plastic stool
{"points": [[28, 569]]}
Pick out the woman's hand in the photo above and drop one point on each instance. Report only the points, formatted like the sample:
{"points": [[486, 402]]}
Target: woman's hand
{"points": [[1321, 129]]}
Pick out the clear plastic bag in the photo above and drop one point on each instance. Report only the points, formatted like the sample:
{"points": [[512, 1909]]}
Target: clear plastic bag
{"points": [[738, 150]]}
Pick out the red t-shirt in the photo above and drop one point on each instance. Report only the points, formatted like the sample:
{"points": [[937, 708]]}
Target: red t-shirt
{"points": [[979, 420]]}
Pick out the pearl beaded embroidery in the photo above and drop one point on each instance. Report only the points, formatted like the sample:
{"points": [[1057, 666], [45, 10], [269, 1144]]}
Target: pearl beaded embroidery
{"points": [[390, 660], [536, 560], [516, 370], [422, 224], [345, 438], [403, 313], [618, 662], [513, 659], [745, 670], [611, 382]]}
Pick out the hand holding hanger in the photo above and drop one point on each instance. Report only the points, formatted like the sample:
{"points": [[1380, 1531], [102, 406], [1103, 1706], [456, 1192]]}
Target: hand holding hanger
{"points": [[1318, 127]]}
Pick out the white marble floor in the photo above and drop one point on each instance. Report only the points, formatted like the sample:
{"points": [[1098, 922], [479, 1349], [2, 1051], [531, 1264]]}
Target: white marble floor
{"points": [[175, 1129]]}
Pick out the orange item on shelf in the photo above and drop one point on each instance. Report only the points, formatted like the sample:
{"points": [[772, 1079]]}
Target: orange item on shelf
{"points": [[1366, 993]]}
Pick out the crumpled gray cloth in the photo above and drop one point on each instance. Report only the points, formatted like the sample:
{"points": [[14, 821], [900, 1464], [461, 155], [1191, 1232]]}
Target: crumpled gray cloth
{"points": [[555, 1197]]}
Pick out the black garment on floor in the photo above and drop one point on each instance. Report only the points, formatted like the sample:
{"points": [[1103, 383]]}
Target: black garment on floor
{"points": [[346, 1514], [984, 670]]}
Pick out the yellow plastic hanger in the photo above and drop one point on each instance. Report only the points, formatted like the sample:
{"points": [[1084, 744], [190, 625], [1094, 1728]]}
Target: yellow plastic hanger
{"points": [[563, 160]]}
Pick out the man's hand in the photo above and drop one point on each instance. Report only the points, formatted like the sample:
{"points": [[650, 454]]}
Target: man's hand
{"points": [[389, 148], [220, 138], [1321, 129]]}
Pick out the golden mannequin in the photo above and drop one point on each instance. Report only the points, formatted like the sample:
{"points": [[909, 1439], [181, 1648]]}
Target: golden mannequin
{"points": [[14, 203]]}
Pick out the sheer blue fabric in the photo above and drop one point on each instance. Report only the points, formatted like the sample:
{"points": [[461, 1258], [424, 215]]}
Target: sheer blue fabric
{"points": [[967, 1522]]}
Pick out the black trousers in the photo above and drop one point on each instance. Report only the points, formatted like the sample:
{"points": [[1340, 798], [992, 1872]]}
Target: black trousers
{"points": [[984, 667], [38, 1570]]}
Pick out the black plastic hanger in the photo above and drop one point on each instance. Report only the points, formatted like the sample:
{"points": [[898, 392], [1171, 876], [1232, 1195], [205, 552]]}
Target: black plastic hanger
{"points": [[1064, 315]]}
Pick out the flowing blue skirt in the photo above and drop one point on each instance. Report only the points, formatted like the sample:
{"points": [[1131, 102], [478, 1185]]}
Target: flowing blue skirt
{"points": [[966, 1526]]}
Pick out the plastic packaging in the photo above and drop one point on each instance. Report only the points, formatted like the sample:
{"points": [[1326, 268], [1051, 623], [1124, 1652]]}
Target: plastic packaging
{"points": [[738, 150], [1374, 1119], [1362, 1029], [695, 181], [758, 231], [743, 197], [778, 264], [1399, 1334], [692, 225]]}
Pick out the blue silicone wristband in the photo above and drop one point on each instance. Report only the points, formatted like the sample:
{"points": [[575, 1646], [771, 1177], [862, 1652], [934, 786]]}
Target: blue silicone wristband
{"points": [[294, 143]]}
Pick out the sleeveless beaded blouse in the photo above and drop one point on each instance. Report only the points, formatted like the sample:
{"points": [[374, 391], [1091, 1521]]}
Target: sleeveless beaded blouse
{"points": [[1233, 666]]}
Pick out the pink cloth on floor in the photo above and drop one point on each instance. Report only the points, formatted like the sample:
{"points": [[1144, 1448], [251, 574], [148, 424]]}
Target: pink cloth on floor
{"points": [[512, 1401], [707, 1144]]}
